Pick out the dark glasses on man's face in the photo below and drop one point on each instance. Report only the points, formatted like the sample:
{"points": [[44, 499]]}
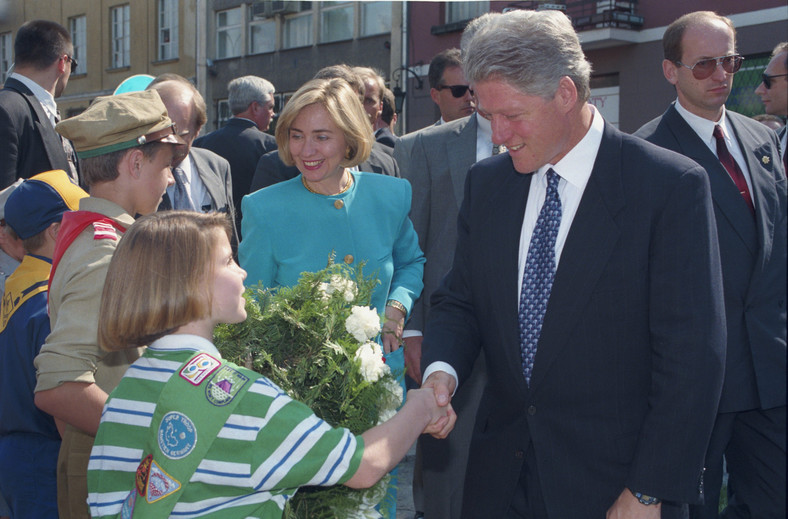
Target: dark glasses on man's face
{"points": [[456, 90], [706, 67], [767, 79]]}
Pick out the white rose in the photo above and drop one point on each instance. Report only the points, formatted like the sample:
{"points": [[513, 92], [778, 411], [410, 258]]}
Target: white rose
{"points": [[363, 323], [370, 357]]}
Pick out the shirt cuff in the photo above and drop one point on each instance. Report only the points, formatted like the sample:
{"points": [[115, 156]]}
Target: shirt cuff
{"points": [[411, 333], [441, 366]]}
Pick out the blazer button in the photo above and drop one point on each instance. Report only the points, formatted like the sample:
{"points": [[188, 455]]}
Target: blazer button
{"points": [[349, 259], [532, 410], [339, 204], [518, 454]]}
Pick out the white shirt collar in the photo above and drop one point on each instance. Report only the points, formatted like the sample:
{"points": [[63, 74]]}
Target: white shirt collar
{"points": [[576, 166], [702, 126], [183, 341], [46, 99]]}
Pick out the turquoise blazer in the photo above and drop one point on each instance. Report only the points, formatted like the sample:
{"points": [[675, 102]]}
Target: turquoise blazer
{"points": [[288, 230]]}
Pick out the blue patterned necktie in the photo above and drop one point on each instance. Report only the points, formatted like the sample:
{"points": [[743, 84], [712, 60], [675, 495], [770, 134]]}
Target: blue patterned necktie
{"points": [[538, 274], [182, 200]]}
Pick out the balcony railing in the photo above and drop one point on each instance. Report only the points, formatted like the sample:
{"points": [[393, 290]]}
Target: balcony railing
{"points": [[592, 14]]}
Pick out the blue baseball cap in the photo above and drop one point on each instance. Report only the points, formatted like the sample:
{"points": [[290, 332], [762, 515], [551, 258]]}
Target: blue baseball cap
{"points": [[41, 200]]}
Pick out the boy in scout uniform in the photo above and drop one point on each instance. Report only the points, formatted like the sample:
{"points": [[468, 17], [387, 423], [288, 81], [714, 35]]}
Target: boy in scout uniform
{"points": [[126, 144], [29, 440]]}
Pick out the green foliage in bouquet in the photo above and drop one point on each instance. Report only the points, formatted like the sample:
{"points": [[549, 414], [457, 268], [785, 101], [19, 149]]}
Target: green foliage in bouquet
{"points": [[310, 341]]}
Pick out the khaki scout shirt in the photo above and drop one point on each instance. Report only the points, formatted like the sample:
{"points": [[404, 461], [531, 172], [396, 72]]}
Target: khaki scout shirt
{"points": [[71, 352]]}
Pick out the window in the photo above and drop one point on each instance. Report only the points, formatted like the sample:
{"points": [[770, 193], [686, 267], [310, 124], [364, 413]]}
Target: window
{"points": [[228, 33], [375, 18], [168, 29], [223, 113], [262, 36], [336, 22], [119, 17], [461, 11], [76, 27], [6, 54], [297, 31]]}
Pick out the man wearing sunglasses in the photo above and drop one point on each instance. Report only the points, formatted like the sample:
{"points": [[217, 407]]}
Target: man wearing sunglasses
{"points": [[774, 91], [43, 62], [448, 87], [741, 157]]}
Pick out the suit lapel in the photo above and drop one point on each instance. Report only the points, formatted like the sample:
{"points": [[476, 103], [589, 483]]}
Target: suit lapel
{"points": [[461, 151], [725, 195], [209, 179], [506, 212], [760, 164], [53, 145], [591, 239]]}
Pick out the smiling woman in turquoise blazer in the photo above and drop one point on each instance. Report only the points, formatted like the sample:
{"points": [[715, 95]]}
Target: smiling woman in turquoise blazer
{"points": [[294, 226]]}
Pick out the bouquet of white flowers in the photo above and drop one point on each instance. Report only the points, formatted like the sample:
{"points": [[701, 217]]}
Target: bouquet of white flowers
{"points": [[315, 341]]}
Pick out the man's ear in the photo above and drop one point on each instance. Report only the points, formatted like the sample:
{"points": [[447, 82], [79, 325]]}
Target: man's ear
{"points": [[53, 229], [670, 70], [133, 161], [435, 95], [566, 93]]}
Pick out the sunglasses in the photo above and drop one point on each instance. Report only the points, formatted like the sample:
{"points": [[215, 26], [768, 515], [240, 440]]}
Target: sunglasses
{"points": [[456, 90], [767, 79], [73, 63], [706, 67]]}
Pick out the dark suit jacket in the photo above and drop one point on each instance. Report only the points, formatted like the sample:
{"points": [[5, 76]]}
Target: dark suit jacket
{"points": [[214, 172], [270, 168], [753, 256], [241, 144], [628, 370], [385, 137], [30, 144]]}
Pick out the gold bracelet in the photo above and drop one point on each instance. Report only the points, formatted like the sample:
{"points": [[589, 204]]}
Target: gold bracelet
{"points": [[393, 303]]}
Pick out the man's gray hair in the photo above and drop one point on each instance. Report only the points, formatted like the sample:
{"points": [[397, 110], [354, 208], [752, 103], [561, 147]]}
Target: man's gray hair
{"points": [[530, 50], [245, 90]]}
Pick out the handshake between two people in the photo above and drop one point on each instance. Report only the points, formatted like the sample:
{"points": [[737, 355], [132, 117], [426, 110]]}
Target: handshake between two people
{"points": [[437, 391]]}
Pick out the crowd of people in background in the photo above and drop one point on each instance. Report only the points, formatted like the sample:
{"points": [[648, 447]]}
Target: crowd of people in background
{"points": [[591, 323]]}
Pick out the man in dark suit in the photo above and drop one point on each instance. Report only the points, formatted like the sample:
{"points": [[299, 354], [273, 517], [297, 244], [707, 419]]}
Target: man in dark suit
{"points": [[242, 141], [202, 178], [587, 272], [43, 63], [750, 209], [385, 123], [270, 168]]}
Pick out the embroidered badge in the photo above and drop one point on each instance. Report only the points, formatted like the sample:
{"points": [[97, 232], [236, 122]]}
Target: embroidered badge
{"points": [[127, 510], [198, 369], [224, 385], [160, 484], [104, 231], [177, 435], [141, 478], [766, 159]]}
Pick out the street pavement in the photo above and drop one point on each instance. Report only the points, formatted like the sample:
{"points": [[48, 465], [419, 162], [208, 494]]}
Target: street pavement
{"points": [[405, 487]]}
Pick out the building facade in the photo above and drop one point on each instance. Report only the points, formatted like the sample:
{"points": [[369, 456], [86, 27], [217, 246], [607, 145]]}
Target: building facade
{"points": [[113, 40]]}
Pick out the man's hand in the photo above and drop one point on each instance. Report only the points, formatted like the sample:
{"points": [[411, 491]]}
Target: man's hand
{"points": [[443, 386], [627, 506], [413, 357]]}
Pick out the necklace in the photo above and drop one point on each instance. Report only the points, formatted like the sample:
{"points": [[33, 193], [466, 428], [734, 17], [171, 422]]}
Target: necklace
{"points": [[347, 186]]}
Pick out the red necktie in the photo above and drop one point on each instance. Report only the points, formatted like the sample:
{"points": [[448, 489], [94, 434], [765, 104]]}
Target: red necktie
{"points": [[733, 169]]}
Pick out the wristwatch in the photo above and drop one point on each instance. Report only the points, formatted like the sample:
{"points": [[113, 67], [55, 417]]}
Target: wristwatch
{"points": [[646, 500]]}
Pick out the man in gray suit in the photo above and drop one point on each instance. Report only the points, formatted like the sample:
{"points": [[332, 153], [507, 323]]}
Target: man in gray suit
{"points": [[436, 160], [202, 178], [742, 160]]}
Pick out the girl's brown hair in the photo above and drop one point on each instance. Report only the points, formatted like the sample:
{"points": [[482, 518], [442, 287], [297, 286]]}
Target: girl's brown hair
{"points": [[158, 277]]}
